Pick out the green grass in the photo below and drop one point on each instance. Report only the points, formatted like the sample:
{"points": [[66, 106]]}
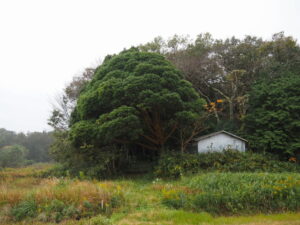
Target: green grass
{"points": [[180, 217]]}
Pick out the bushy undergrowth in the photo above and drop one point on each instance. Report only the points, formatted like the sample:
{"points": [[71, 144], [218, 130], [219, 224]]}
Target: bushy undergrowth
{"points": [[231, 193], [174, 165], [54, 200], [80, 171]]}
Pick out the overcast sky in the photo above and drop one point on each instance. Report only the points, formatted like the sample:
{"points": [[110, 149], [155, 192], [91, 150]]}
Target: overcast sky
{"points": [[44, 43]]}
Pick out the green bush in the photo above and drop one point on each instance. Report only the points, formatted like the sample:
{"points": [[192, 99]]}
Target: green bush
{"points": [[27, 208], [174, 165], [231, 193], [58, 210]]}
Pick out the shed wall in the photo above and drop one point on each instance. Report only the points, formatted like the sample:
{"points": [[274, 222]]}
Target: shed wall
{"points": [[220, 142]]}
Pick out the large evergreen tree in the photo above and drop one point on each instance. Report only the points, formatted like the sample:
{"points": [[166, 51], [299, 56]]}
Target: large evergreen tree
{"points": [[137, 101], [134, 98]]}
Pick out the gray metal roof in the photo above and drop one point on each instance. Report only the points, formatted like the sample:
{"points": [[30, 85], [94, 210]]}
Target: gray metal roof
{"points": [[219, 132]]}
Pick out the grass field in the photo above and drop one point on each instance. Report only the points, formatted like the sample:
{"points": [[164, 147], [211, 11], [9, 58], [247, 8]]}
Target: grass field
{"points": [[28, 199]]}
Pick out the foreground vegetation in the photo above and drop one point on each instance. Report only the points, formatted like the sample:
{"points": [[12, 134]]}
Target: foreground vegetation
{"points": [[208, 198]]}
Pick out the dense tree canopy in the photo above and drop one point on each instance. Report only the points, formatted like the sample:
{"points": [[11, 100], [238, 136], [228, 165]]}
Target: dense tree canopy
{"points": [[134, 98], [227, 69], [273, 121], [224, 72]]}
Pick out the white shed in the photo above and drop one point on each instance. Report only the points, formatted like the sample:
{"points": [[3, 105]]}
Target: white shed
{"points": [[219, 141]]}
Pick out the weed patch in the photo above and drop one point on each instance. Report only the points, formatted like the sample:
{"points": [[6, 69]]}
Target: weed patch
{"points": [[238, 193]]}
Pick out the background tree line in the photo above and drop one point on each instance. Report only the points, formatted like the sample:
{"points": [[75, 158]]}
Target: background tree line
{"points": [[251, 85], [136, 105], [17, 149]]}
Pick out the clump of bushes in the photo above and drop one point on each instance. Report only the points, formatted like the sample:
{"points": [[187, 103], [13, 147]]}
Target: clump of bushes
{"points": [[174, 165], [232, 193]]}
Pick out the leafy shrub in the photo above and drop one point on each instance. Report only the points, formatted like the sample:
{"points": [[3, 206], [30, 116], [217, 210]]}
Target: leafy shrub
{"points": [[27, 208], [97, 167], [58, 210], [231, 193], [174, 165]]}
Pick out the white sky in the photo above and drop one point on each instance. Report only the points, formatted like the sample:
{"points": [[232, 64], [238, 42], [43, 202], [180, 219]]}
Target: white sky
{"points": [[44, 43]]}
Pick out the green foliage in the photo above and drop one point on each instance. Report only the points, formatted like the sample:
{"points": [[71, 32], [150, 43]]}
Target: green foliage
{"points": [[60, 149], [174, 165], [13, 156], [57, 170], [57, 211], [135, 97], [246, 192], [122, 122], [136, 102], [232, 193], [227, 70], [27, 208], [272, 123], [83, 160]]}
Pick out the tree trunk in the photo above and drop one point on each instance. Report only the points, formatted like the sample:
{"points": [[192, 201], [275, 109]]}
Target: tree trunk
{"points": [[230, 102]]}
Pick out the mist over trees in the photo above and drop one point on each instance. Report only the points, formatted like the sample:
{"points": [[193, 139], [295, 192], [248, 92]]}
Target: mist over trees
{"points": [[17, 149], [141, 103], [13, 156]]}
